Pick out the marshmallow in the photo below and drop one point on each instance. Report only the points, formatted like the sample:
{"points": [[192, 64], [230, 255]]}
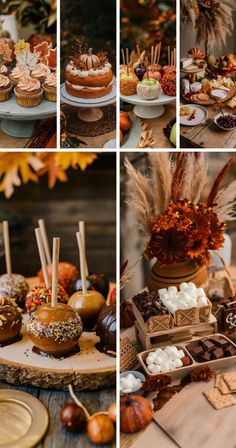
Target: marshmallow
{"points": [[129, 383], [202, 301], [165, 360], [172, 308], [192, 286], [151, 358], [183, 286], [155, 369], [200, 292], [180, 354], [178, 363], [172, 290], [162, 291]]}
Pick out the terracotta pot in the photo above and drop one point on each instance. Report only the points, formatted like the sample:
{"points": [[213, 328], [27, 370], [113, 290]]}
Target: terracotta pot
{"points": [[162, 276]]}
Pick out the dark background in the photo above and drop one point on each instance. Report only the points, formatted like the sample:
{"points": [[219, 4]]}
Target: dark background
{"points": [[94, 22], [88, 195]]}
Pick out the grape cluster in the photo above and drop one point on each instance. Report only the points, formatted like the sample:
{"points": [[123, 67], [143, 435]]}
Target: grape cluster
{"points": [[227, 121]]}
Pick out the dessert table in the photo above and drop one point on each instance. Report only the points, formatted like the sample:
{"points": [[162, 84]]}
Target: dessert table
{"points": [[56, 436], [208, 135]]}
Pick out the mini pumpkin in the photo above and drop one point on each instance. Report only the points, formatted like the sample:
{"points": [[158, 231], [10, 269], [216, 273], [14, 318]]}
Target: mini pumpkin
{"points": [[112, 412], [135, 413], [100, 429], [125, 122], [89, 60]]}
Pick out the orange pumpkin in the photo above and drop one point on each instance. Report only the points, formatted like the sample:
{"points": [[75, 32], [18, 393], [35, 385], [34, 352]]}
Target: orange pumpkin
{"points": [[100, 429], [121, 136], [112, 412], [89, 60], [135, 413], [125, 122]]}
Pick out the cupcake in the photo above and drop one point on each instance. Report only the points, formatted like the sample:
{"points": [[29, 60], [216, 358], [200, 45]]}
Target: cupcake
{"points": [[41, 72], [5, 88], [18, 73], [3, 70], [50, 87], [28, 92]]}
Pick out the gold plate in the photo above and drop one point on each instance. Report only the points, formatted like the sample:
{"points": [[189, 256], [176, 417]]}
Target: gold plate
{"points": [[24, 419]]}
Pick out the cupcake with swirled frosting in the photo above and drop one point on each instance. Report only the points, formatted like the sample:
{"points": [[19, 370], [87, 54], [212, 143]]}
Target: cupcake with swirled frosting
{"points": [[28, 92], [18, 73], [40, 72], [5, 88], [50, 87]]}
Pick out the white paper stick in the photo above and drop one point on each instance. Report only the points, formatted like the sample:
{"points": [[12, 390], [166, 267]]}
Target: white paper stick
{"points": [[82, 231]]}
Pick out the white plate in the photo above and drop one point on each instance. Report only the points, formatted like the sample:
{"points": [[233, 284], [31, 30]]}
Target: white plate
{"points": [[221, 127], [201, 115], [218, 94], [132, 136]]}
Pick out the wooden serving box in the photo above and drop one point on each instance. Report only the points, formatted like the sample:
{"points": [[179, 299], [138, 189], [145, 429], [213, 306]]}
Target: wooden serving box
{"points": [[175, 335], [154, 323], [185, 370]]}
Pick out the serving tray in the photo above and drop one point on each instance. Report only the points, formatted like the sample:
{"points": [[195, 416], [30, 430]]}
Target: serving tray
{"points": [[185, 370]]}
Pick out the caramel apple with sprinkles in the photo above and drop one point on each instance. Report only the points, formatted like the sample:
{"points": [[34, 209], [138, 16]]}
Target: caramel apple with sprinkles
{"points": [[88, 75], [55, 328], [12, 285], [10, 321]]}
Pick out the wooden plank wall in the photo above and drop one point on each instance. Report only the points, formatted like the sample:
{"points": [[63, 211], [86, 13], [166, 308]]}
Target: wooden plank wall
{"points": [[89, 195]]}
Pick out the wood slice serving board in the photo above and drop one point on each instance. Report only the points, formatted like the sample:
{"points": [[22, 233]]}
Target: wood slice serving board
{"points": [[89, 369], [191, 421]]}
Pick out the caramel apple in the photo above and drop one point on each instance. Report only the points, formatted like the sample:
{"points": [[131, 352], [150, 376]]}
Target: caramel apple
{"points": [[55, 330], [88, 305], [10, 321], [128, 84], [67, 273], [39, 295], [154, 75], [14, 286], [106, 328]]}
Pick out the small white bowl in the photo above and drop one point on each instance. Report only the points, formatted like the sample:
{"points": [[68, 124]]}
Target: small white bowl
{"points": [[138, 375], [221, 127]]}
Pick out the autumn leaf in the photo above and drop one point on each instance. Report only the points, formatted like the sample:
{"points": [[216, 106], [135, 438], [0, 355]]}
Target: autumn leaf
{"points": [[75, 159]]}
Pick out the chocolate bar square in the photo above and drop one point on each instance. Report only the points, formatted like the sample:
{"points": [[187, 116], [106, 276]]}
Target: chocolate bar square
{"points": [[217, 353], [205, 357], [207, 345], [230, 351]]}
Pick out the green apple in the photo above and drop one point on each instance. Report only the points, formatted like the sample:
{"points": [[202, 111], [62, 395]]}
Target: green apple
{"points": [[149, 82], [173, 135], [211, 60]]}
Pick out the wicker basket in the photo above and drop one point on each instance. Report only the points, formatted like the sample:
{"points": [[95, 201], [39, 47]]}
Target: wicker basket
{"points": [[128, 354]]}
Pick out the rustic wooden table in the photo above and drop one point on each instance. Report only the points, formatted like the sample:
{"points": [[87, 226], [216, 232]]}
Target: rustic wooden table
{"points": [[57, 436], [152, 135], [208, 135]]}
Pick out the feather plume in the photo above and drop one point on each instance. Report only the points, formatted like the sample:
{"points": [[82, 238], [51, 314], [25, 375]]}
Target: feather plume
{"points": [[200, 177], [162, 179], [216, 185], [141, 198], [225, 203], [178, 174]]}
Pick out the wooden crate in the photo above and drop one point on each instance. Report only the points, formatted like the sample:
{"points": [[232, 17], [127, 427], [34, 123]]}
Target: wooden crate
{"points": [[175, 334]]}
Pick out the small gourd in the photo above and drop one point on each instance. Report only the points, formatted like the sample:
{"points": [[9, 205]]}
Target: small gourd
{"points": [[135, 413], [100, 429], [89, 60]]}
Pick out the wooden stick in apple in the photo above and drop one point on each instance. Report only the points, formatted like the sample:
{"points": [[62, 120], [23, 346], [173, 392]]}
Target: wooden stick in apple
{"points": [[6, 238], [55, 261], [42, 257], [82, 231], [45, 240], [127, 60], [82, 261]]}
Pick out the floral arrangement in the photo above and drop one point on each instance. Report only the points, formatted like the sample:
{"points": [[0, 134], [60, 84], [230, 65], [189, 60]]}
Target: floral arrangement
{"points": [[179, 225], [16, 170], [212, 19], [41, 13]]}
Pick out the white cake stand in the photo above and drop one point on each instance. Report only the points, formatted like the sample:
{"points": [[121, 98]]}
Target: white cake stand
{"points": [[20, 121], [89, 109], [149, 108]]}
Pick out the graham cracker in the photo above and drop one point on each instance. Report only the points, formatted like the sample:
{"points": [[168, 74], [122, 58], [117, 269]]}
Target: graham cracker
{"points": [[221, 385], [217, 400], [230, 379]]}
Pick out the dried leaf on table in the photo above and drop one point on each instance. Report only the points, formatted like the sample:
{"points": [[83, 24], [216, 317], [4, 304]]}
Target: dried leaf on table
{"points": [[147, 140]]}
